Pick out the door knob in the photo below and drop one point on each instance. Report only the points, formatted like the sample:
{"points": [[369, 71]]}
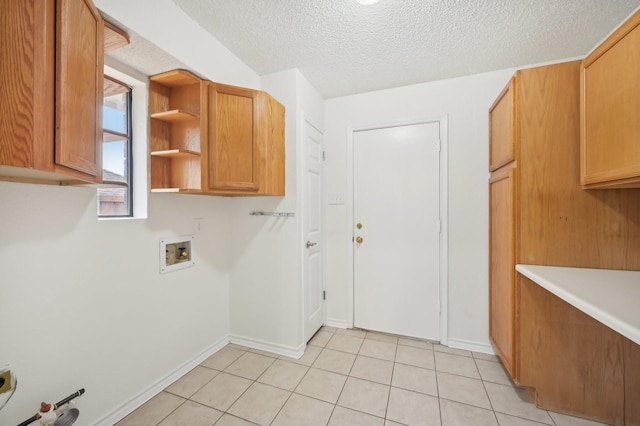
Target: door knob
{"points": [[310, 244], [359, 240]]}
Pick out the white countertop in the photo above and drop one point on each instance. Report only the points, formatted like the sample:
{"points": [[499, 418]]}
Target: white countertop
{"points": [[608, 295]]}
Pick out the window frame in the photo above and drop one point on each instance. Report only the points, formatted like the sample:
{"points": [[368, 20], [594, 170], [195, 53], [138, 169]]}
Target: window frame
{"points": [[129, 172]]}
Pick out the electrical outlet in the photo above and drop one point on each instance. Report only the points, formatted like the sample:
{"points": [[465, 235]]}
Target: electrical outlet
{"points": [[336, 198]]}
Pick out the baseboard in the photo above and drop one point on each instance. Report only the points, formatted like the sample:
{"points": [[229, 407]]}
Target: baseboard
{"points": [[336, 323], [121, 412], [269, 347], [471, 346]]}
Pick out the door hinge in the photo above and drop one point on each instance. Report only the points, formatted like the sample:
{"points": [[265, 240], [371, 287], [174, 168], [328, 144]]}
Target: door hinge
{"points": [[324, 155], [324, 295]]}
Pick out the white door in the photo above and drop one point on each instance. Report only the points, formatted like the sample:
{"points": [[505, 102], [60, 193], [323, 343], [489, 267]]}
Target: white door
{"points": [[313, 242], [396, 210]]}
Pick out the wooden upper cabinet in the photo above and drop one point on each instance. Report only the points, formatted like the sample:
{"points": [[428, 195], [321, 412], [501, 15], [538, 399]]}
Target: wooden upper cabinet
{"points": [[610, 110], [51, 66], [79, 87], [245, 142], [214, 139], [502, 128]]}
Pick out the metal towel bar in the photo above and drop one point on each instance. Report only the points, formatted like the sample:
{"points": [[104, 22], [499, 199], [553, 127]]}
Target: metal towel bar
{"points": [[277, 214]]}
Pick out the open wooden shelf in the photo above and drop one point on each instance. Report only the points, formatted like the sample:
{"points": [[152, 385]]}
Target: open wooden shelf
{"points": [[174, 153], [175, 115], [177, 190]]}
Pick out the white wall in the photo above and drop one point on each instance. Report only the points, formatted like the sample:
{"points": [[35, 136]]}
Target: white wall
{"points": [[466, 102], [266, 284], [83, 304]]}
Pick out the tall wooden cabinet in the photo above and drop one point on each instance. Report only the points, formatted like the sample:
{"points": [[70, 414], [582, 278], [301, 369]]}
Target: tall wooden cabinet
{"points": [[51, 68], [215, 139], [540, 215]]}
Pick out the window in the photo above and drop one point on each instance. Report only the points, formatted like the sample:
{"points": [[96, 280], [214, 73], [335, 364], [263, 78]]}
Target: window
{"points": [[115, 197]]}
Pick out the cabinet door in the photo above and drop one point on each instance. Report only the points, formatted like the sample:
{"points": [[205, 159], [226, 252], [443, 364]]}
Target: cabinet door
{"points": [[79, 81], [232, 153], [610, 110], [502, 128], [502, 292]]}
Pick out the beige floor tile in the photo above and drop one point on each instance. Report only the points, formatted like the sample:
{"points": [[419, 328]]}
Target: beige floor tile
{"points": [[153, 411], [415, 356], [390, 423], [321, 338], [223, 358], [192, 414], [516, 402], [301, 410], [221, 391], [565, 420], [486, 357], [506, 420], [457, 414], [412, 408], [441, 348], [260, 403], [321, 384], [365, 396], [250, 365], [283, 374], [351, 332], [382, 337], [456, 364], [415, 379], [328, 329], [491, 371], [229, 420], [308, 358], [463, 389], [345, 417], [344, 343], [415, 343], [376, 370], [191, 382], [336, 361], [378, 349]]}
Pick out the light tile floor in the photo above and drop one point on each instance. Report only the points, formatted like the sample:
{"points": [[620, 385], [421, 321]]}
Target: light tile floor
{"points": [[351, 378]]}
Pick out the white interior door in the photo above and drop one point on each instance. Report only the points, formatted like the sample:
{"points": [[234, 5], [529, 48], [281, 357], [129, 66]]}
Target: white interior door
{"points": [[396, 209], [314, 244]]}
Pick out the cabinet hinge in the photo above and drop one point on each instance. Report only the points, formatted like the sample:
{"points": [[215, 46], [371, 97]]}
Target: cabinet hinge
{"points": [[324, 295], [439, 145], [324, 155]]}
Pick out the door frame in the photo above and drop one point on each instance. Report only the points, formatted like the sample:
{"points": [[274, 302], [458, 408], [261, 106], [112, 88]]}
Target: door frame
{"points": [[303, 193], [444, 233]]}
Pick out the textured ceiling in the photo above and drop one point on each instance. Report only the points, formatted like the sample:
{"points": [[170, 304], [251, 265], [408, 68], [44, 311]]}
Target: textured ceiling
{"points": [[344, 48]]}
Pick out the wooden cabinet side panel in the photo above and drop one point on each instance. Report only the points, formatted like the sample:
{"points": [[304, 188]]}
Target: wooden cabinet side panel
{"points": [[501, 129], [610, 110], [561, 224], [272, 146], [79, 80], [574, 362], [502, 267]]}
